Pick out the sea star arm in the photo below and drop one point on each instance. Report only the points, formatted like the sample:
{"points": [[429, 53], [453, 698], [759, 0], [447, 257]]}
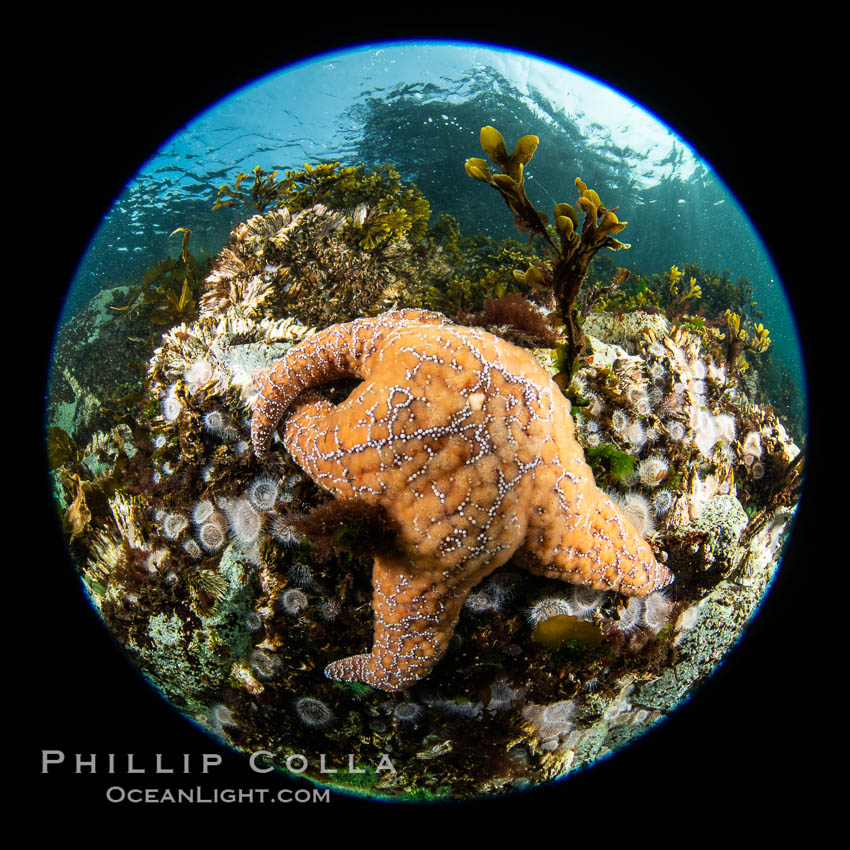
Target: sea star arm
{"points": [[595, 546], [340, 351], [415, 618]]}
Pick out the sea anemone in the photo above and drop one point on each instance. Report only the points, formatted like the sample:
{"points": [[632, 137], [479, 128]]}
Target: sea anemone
{"points": [[502, 696], [636, 435], [585, 600], [245, 522], [192, 548], [302, 575], [211, 536], [656, 370], [592, 440], [478, 602], [656, 396], [594, 403], [330, 609], [173, 525], [264, 663], [281, 528], [725, 426], [456, 707], [643, 407], [697, 368], [549, 606], [657, 608], [707, 432], [752, 444], [635, 394], [717, 373], [294, 601], [171, 405], [676, 430], [675, 400], [313, 713], [652, 471], [216, 422], [493, 592], [639, 512], [198, 374], [221, 715], [662, 501], [589, 426], [262, 492], [408, 712], [631, 614], [550, 721], [202, 511], [558, 715], [156, 559], [619, 420]]}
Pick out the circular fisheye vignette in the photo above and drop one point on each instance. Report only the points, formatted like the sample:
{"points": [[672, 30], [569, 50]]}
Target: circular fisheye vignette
{"points": [[190, 401]]}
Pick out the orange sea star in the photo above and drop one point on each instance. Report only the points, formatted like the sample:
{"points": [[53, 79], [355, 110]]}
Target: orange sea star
{"points": [[468, 445]]}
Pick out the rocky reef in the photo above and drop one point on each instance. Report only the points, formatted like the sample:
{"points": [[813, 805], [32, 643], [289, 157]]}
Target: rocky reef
{"points": [[233, 581]]}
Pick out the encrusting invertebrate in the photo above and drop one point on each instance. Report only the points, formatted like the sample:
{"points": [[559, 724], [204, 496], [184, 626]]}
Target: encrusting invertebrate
{"points": [[468, 445]]}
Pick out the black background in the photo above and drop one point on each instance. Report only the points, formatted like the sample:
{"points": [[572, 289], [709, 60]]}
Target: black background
{"points": [[110, 96]]}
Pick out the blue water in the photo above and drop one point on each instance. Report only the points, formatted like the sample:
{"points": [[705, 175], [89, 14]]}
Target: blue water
{"points": [[421, 106]]}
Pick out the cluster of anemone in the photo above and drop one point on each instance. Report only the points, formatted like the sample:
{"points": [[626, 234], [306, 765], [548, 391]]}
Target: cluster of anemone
{"points": [[253, 512], [697, 380], [651, 612], [751, 452], [621, 712], [550, 722], [578, 601], [589, 431], [220, 424], [211, 522]]}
